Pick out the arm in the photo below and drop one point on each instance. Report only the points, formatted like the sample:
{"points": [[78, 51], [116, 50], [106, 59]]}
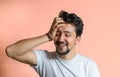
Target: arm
{"points": [[22, 50]]}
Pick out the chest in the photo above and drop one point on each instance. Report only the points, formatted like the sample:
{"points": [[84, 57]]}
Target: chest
{"points": [[60, 69]]}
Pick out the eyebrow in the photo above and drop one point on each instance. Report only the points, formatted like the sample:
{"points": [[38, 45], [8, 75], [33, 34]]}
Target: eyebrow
{"points": [[64, 31]]}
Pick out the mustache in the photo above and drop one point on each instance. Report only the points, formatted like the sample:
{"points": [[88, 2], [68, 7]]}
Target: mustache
{"points": [[60, 42]]}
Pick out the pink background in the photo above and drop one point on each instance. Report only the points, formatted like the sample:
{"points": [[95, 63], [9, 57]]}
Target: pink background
{"points": [[100, 41]]}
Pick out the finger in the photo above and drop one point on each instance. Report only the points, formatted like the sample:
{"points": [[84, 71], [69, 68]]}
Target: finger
{"points": [[58, 18], [58, 21]]}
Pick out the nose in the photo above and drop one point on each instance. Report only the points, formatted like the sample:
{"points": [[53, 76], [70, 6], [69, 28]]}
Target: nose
{"points": [[61, 37]]}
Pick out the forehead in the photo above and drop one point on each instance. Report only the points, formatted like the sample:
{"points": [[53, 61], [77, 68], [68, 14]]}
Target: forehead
{"points": [[66, 27]]}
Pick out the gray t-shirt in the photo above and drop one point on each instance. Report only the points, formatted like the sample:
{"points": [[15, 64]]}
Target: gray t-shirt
{"points": [[50, 65]]}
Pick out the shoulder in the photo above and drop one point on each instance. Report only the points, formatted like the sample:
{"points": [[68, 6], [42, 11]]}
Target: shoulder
{"points": [[43, 53], [86, 60], [90, 66]]}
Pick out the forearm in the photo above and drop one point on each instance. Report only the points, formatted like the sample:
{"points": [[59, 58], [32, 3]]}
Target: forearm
{"points": [[25, 45]]}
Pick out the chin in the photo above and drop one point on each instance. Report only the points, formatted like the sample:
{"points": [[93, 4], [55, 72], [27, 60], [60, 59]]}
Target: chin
{"points": [[65, 52]]}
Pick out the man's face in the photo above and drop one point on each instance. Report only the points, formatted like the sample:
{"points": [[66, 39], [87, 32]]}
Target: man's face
{"points": [[65, 39]]}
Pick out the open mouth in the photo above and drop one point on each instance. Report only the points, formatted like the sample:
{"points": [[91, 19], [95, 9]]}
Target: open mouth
{"points": [[61, 44]]}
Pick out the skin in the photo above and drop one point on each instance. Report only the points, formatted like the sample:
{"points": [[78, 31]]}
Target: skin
{"points": [[66, 40], [59, 31]]}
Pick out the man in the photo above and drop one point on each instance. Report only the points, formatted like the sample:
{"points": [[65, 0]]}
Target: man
{"points": [[66, 33]]}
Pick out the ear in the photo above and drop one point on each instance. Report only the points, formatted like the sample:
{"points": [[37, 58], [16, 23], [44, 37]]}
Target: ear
{"points": [[78, 39]]}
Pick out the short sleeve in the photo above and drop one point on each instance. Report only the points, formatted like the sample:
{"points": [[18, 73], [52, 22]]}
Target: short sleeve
{"points": [[40, 56], [92, 69]]}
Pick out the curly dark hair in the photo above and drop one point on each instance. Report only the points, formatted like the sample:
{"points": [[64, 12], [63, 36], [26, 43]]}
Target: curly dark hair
{"points": [[73, 19]]}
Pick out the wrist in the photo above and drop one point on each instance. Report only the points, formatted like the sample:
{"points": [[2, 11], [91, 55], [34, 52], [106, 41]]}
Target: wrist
{"points": [[49, 36]]}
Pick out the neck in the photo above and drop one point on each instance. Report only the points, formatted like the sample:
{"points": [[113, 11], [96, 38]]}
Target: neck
{"points": [[69, 56]]}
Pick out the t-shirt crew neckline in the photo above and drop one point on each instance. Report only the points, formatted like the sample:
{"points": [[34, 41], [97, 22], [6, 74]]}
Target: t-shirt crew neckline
{"points": [[68, 62]]}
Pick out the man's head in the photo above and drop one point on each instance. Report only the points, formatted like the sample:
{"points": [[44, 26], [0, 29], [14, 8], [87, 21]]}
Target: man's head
{"points": [[74, 20], [68, 34]]}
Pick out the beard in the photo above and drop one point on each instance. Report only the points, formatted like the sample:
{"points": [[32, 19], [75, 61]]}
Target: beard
{"points": [[60, 51]]}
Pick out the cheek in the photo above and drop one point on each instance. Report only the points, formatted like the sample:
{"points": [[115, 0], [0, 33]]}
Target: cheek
{"points": [[72, 42], [56, 38]]}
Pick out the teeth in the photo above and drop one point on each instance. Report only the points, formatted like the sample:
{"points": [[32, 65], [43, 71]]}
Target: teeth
{"points": [[62, 44]]}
